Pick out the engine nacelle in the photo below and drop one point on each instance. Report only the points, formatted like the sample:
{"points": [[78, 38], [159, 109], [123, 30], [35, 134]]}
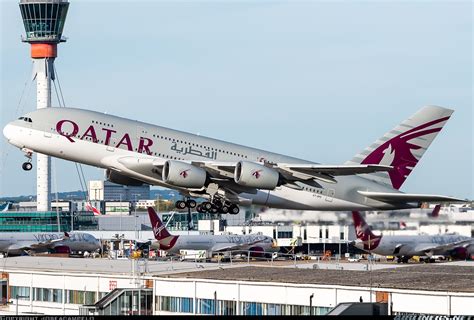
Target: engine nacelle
{"points": [[182, 174], [118, 178], [254, 175]]}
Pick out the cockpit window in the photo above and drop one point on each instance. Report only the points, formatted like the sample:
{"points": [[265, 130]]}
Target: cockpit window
{"points": [[25, 119]]}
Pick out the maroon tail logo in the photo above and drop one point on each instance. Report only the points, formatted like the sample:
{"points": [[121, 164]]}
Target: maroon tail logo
{"points": [[363, 232], [184, 173], [257, 174], [397, 152]]}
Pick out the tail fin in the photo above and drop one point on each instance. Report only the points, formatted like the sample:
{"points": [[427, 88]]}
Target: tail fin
{"points": [[159, 230], [364, 233], [404, 146]]}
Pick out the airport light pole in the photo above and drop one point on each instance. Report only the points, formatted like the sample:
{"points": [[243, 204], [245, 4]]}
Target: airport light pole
{"points": [[18, 296], [135, 213]]}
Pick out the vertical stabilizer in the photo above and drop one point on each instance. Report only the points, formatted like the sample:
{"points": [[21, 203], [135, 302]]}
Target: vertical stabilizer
{"points": [[403, 146], [159, 230], [364, 233]]}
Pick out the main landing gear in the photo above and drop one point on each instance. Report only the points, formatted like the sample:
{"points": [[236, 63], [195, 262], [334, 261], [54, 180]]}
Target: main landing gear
{"points": [[27, 166], [217, 206]]}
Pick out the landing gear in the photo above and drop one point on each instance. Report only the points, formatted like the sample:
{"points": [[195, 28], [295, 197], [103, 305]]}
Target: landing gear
{"points": [[191, 204], [234, 209], [216, 206], [180, 204], [27, 166]]}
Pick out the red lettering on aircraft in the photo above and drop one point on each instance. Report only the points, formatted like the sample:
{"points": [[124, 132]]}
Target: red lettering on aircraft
{"points": [[64, 128], [126, 141], [90, 132], [75, 129], [108, 135], [144, 145]]}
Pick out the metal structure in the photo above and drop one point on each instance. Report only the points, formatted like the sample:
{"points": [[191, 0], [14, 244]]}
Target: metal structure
{"points": [[44, 22]]}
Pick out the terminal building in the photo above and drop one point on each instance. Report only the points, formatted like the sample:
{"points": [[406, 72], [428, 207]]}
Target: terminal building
{"points": [[39, 285]]}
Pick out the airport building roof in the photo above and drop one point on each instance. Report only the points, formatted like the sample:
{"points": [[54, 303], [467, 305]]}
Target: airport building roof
{"points": [[435, 277]]}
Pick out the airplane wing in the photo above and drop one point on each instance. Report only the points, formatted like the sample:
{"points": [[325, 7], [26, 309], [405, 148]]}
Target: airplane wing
{"points": [[31, 245], [233, 246], [408, 197], [148, 169], [298, 172], [440, 247]]}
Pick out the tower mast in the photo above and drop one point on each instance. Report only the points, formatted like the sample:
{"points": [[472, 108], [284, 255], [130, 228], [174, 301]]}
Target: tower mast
{"points": [[44, 22]]}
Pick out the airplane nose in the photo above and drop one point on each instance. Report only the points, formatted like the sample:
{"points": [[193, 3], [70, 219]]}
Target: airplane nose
{"points": [[8, 131]]}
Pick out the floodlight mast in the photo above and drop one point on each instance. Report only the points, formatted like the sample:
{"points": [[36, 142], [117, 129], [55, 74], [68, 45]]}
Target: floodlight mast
{"points": [[44, 22]]}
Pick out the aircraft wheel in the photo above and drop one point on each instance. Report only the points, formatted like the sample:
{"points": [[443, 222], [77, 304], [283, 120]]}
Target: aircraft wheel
{"points": [[27, 166], [199, 208], [207, 206], [214, 209], [234, 209], [225, 209], [180, 204], [191, 204]]}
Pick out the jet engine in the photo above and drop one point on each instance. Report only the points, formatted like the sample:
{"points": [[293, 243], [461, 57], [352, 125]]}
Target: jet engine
{"points": [[254, 175], [118, 178], [459, 253], [183, 174]]}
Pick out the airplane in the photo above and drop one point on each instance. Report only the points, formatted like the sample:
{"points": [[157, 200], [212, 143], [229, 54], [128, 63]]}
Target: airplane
{"points": [[16, 243], [227, 175], [5, 206], [257, 245], [404, 247], [94, 210]]}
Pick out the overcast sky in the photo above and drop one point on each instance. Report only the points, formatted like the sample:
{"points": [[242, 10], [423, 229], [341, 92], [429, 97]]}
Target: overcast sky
{"points": [[315, 80]]}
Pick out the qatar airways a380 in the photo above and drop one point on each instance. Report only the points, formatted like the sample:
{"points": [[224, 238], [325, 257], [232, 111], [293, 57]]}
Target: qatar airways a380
{"points": [[227, 175]]}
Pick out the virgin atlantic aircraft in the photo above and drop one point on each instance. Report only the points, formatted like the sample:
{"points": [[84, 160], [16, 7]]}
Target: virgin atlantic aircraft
{"points": [[227, 175]]}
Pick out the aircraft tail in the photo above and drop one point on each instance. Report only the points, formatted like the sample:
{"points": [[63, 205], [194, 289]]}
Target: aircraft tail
{"points": [[159, 230], [363, 232], [90, 207], [403, 146]]}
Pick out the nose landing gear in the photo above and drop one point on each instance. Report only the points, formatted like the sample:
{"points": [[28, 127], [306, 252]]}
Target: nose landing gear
{"points": [[27, 166]]}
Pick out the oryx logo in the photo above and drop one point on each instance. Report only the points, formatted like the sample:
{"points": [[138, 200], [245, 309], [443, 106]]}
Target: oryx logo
{"points": [[257, 173], [397, 152], [184, 173]]}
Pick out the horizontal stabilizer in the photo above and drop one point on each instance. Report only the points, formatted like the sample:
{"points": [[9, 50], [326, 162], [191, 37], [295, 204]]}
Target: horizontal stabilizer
{"points": [[408, 197]]}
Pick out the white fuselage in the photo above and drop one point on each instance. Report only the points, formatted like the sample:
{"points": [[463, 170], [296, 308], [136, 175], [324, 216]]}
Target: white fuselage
{"points": [[96, 139], [14, 243], [221, 243], [411, 245]]}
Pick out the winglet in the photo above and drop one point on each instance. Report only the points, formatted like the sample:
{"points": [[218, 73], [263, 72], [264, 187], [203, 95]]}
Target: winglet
{"points": [[159, 230]]}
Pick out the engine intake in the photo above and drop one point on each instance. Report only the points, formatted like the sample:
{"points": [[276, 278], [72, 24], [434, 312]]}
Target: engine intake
{"points": [[182, 174], [254, 175]]}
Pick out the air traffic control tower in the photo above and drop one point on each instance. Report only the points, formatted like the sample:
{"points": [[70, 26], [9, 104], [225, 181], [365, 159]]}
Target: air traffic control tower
{"points": [[44, 22]]}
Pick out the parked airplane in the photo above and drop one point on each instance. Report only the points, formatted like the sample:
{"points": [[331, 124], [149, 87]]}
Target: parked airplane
{"points": [[94, 210], [256, 244], [18, 243], [227, 174], [4, 206], [405, 247]]}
